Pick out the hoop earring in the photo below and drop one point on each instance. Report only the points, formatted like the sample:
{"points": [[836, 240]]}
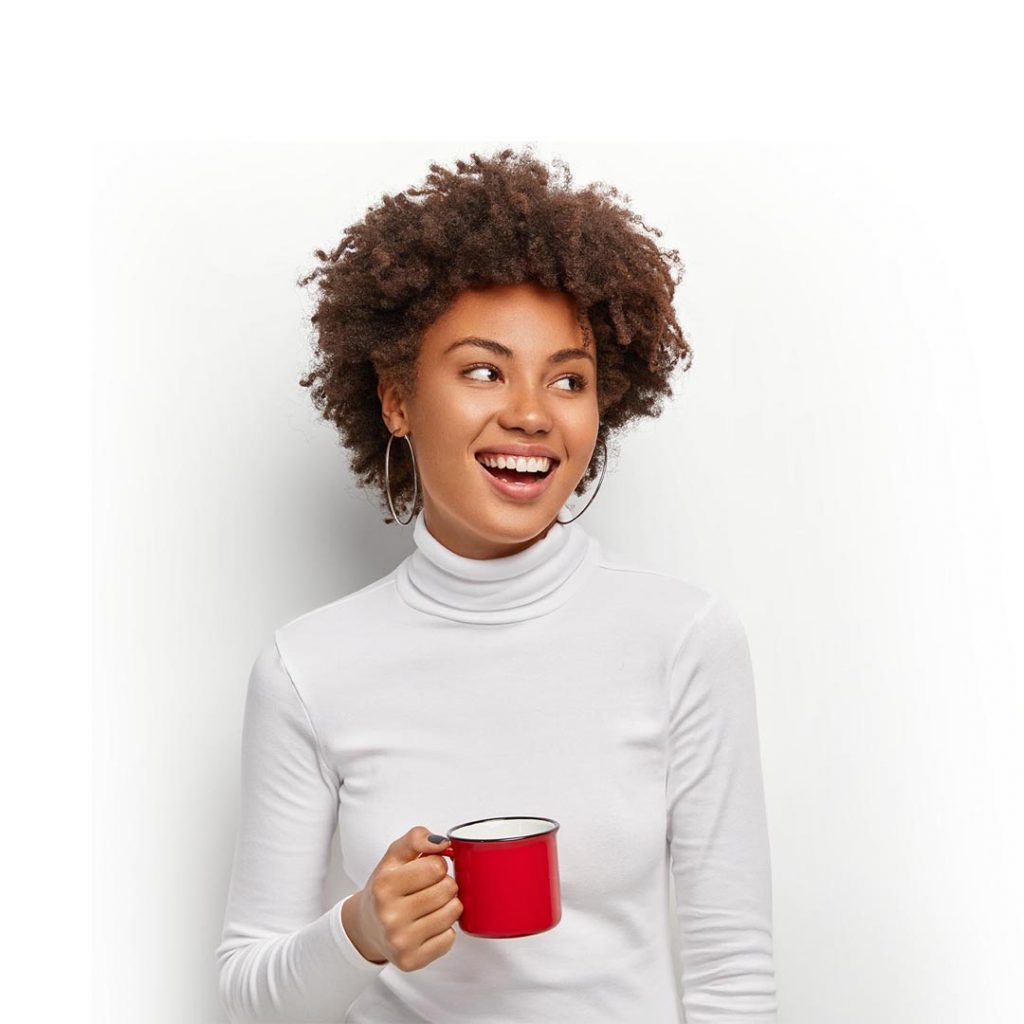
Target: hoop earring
{"points": [[604, 466], [387, 479]]}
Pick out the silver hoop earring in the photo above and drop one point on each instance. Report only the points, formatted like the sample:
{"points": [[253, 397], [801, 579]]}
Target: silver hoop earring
{"points": [[387, 479], [604, 466]]}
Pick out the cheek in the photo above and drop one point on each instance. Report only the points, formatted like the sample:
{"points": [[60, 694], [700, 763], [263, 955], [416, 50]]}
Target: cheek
{"points": [[447, 423], [461, 428], [445, 448], [581, 437]]}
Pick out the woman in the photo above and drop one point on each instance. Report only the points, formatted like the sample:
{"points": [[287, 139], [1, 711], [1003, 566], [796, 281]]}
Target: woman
{"points": [[511, 665]]}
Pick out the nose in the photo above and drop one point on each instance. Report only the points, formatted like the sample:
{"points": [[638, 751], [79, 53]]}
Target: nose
{"points": [[526, 409]]}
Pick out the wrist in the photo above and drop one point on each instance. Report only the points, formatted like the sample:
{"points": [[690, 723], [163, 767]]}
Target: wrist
{"points": [[350, 915]]}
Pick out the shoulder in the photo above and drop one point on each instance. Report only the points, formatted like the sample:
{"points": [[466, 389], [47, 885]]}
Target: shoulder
{"points": [[314, 638], [352, 606], [649, 585], [691, 613], [307, 661]]}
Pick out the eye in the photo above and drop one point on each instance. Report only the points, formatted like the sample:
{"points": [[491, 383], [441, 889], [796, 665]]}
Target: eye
{"points": [[580, 381], [479, 366]]}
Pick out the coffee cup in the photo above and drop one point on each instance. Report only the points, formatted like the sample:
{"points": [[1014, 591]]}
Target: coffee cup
{"points": [[507, 873]]}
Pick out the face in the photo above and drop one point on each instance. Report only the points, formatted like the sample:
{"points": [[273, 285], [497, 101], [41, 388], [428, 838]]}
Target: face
{"points": [[504, 368]]}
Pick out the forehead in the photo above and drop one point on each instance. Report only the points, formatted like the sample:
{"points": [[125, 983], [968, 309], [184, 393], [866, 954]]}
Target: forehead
{"points": [[521, 315]]}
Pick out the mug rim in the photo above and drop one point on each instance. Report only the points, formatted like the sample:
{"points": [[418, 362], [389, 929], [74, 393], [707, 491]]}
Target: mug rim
{"points": [[503, 839]]}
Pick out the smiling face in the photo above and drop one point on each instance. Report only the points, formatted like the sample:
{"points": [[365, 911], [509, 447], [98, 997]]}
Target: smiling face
{"points": [[505, 368]]}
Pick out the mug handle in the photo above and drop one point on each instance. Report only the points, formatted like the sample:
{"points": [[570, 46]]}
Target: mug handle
{"points": [[450, 852]]}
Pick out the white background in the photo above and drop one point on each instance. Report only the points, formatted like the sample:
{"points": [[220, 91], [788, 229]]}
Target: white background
{"points": [[829, 463], [842, 459]]}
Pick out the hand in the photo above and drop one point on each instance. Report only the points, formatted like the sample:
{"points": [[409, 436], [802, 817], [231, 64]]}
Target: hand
{"points": [[406, 910]]}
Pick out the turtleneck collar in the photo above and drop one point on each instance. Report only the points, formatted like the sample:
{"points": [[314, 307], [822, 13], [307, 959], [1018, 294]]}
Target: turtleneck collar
{"points": [[530, 583]]}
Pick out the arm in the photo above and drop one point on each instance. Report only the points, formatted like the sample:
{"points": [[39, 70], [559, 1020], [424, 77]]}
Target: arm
{"points": [[283, 958], [717, 826]]}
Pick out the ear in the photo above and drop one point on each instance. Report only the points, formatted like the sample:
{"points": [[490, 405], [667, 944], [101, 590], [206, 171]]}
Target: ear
{"points": [[392, 407]]}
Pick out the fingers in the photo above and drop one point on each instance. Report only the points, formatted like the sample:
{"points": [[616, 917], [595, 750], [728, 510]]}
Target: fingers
{"points": [[413, 902], [436, 946], [430, 936], [412, 862], [410, 846], [423, 903]]}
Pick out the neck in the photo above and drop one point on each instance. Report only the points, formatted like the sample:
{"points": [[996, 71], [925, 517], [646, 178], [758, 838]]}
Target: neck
{"points": [[530, 582], [472, 545]]}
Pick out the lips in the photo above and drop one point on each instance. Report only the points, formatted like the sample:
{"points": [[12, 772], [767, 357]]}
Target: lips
{"points": [[520, 451], [518, 486], [514, 476], [494, 470]]}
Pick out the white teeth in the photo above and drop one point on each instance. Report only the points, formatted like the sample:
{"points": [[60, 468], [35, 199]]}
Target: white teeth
{"points": [[520, 465]]}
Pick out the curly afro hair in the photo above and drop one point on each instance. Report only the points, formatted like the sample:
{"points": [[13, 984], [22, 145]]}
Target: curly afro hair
{"points": [[504, 220]]}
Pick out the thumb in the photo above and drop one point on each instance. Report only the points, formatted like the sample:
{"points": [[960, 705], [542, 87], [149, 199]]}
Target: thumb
{"points": [[416, 843]]}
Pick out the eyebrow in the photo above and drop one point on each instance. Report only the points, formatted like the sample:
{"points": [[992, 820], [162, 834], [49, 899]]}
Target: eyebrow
{"points": [[561, 356]]}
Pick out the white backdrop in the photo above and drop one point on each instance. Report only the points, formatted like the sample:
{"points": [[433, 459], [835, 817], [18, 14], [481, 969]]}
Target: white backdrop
{"points": [[839, 461]]}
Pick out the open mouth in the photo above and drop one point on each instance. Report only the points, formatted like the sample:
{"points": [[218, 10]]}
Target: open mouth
{"points": [[513, 476]]}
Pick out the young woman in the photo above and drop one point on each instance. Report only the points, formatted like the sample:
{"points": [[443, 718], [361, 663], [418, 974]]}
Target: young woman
{"points": [[503, 326]]}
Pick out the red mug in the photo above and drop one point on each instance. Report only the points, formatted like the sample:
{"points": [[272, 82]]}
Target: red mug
{"points": [[507, 873]]}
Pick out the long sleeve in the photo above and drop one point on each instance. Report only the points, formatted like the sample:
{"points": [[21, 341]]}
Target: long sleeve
{"points": [[717, 826], [282, 957]]}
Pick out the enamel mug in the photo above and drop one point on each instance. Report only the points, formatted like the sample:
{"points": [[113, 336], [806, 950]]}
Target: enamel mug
{"points": [[507, 873]]}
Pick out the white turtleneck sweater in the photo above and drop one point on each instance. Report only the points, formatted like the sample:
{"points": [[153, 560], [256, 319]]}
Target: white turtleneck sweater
{"points": [[564, 682]]}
